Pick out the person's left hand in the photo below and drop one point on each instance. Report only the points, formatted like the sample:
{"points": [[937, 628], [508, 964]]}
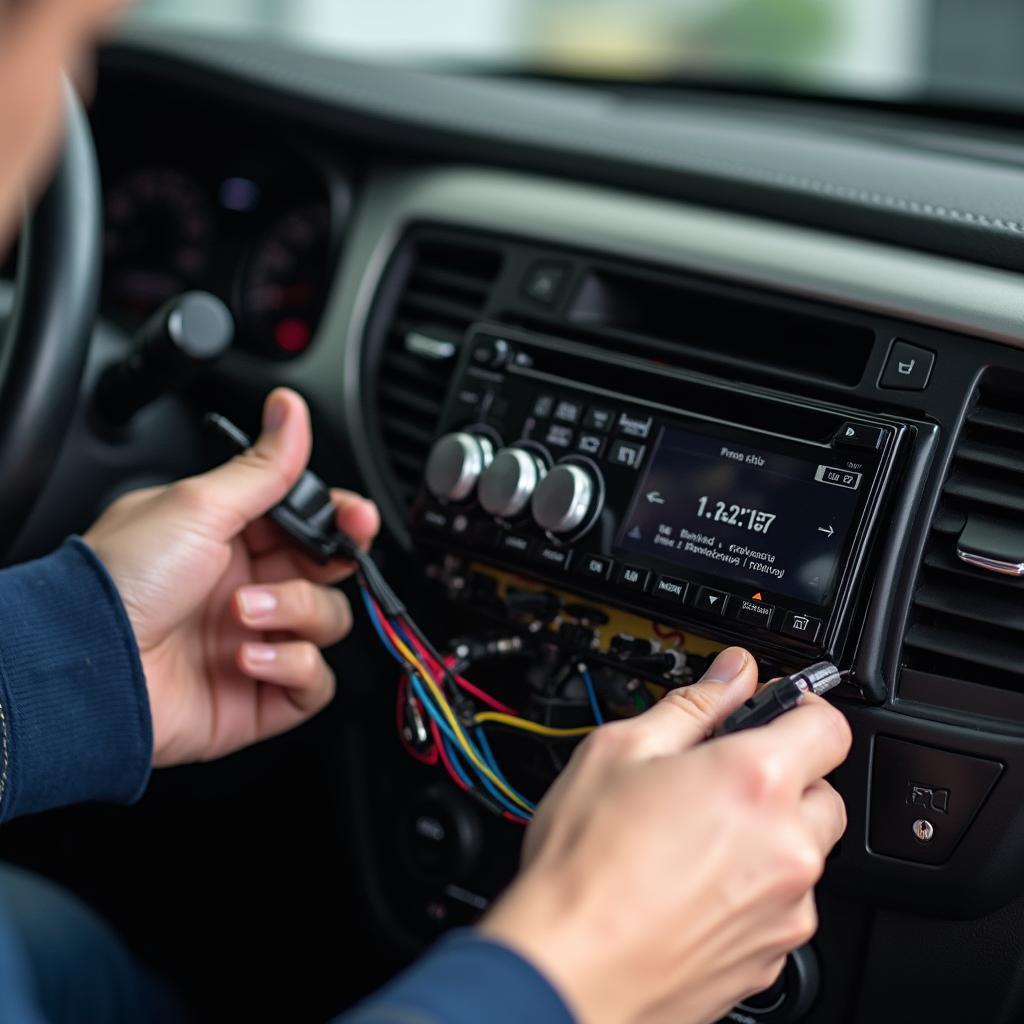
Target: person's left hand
{"points": [[227, 615]]}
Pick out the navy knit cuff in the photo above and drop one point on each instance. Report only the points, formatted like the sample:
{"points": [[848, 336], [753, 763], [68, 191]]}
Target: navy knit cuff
{"points": [[465, 979], [74, 711]]}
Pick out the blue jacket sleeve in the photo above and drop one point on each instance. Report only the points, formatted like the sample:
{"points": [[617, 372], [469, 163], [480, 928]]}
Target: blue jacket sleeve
{"points": [[74, 712], [465, 979]]}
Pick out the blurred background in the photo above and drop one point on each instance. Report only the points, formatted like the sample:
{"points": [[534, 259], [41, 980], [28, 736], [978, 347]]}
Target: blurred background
{"points": [[961, 51]]}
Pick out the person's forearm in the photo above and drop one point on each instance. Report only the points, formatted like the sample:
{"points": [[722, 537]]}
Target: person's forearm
{"points": [[465, 979], [74, 716]]}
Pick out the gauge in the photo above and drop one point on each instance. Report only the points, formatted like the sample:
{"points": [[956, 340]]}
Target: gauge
{"points": [[159, 239], [284, 282]]}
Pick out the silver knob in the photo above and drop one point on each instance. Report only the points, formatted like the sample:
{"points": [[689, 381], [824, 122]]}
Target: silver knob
{"points": [[563, 499], [455, 464], [508, 483]]}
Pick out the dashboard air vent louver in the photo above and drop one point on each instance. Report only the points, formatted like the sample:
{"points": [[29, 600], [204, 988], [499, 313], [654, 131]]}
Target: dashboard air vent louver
{"points": [[968, 623], [439, 283]]}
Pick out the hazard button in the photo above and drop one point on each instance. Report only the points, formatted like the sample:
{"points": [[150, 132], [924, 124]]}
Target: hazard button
{"points": [[711, 601]]}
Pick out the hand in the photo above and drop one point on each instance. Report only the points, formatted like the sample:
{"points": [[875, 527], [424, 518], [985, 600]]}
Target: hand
{"points": [[227, 615], [665, 878]]}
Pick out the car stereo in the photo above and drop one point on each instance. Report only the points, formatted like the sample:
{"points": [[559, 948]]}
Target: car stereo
{"points": [[725, 509]]}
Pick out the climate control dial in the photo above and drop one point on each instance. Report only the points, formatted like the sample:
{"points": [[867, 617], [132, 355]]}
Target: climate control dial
{"points": [[566, 498], [509, 482], [456, 463]]}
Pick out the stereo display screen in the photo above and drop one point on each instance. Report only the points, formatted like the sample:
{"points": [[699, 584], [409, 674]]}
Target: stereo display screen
{"points": [[742, 513]]}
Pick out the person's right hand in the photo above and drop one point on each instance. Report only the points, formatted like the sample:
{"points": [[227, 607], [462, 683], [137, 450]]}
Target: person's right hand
{"points": [[665, 878]]}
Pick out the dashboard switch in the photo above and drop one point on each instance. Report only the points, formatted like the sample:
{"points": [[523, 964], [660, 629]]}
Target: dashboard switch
{"points": [[908, 368], [923, 800], [859, 435]]}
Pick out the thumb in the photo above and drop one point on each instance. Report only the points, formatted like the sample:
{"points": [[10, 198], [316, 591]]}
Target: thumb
{"points": [[684, 717], [250, 484]]}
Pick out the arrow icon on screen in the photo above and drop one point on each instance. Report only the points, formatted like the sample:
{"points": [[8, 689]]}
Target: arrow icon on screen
{"points": [[655, 498], [828, 532]]}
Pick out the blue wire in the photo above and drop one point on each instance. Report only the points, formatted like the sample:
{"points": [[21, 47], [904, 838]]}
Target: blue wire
{"points": [[588, 682], [456, 764]]}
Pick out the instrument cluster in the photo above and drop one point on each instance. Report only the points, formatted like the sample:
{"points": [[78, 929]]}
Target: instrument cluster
{"points": [[257, 225]]}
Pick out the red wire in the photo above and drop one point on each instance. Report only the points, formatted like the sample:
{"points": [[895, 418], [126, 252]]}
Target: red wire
{"points": [[439, 747], [435, 668], [424, 757]]}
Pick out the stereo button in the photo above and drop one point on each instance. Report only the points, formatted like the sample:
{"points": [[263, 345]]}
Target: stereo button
{"points": [[668, 588], [626, 454], [711, 601], [755, 613], [591, 444], [435, 519], [632, 578], [598, 419], [594, 566], [859, 435], [543, 406], [638, 427], [568, 412], [803, 627], [558, 436], [553, 556], [515, 542]]}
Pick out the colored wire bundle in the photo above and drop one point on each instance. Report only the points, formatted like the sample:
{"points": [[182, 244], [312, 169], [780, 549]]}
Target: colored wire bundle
{"points": [[461, 746]]}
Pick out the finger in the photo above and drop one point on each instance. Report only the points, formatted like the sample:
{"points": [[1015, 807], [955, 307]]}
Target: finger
{"points": [[250, 484], [824, 813], [684, 717], [295, 666], [809, 741], [318, 614], [356, 516]]}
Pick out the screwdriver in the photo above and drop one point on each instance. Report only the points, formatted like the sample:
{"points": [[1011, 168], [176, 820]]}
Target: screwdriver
{"points": [[783, 695]]}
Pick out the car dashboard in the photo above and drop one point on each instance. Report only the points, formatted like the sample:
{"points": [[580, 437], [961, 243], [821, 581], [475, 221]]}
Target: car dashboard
{"points": [[622, 401]]}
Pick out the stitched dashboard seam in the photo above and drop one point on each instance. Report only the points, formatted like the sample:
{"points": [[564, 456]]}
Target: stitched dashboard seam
{"points": [[865, 197], [4, 753]]}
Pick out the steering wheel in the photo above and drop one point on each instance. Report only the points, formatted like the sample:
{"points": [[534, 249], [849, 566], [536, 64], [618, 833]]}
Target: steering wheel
{"points": [[43, 352]]}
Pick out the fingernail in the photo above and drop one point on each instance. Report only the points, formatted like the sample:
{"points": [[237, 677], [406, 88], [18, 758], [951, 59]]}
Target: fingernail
{"points": [[259, 654], [255, 603], [727, 666], [274, 412]]}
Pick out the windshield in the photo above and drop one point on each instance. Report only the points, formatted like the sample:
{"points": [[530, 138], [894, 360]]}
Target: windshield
{"points": [[908, 50]]}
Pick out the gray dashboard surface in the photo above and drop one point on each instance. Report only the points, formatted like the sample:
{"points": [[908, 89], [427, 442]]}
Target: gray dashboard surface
{"points": [[912, 182]]}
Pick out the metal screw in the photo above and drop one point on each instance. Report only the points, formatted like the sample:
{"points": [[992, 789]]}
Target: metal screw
{"points": [[923, 830]]}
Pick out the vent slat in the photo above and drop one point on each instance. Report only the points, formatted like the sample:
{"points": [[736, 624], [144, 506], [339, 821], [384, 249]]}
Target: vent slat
{"points": [[990, 455], [1003, 613], [965, 623], [429, 303], [403, 396], [446, 286], [997, 419], [976, 490], [947, 643]]}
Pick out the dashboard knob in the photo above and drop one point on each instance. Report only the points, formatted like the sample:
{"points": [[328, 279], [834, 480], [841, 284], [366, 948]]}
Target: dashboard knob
{"points": [[563, 499], [455, 464], [508, 483]]}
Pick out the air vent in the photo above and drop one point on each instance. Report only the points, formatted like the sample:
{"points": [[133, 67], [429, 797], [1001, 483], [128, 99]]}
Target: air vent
{"points": [[438, 284], [967, 623]]}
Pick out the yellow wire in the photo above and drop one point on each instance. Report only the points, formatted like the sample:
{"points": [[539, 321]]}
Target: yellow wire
{"points": [[456, 728], [528, 726]]}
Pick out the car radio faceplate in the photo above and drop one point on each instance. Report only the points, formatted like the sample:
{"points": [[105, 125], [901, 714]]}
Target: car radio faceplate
{"points": [[728, 510]]}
